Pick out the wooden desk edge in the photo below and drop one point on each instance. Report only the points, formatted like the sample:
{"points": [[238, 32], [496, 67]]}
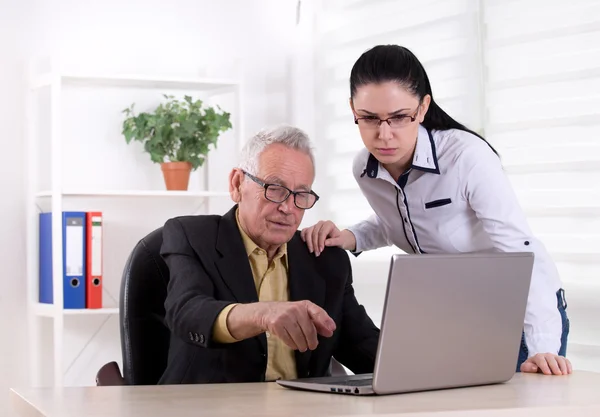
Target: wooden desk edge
{"points": [[550, 411]]}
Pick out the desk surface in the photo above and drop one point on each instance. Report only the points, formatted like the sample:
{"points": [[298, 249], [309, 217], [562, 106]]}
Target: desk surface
{"points": [[578, 394]]}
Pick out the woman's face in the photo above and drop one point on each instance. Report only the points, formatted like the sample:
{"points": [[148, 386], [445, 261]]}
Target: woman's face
{"points": [[391, 143]]}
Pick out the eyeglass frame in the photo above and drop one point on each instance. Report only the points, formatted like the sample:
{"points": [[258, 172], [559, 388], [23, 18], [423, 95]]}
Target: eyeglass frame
{"points": [[403, 116], [290, 192]]}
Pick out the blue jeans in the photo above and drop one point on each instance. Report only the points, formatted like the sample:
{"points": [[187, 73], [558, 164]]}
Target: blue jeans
{"points": [[562, 308]]}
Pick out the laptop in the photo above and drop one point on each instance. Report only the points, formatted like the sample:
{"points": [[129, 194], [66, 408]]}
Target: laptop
{"points": [[449, 321]]}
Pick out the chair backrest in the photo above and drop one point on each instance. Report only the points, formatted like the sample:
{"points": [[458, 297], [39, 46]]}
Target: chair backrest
{"points": [[144, 336]]}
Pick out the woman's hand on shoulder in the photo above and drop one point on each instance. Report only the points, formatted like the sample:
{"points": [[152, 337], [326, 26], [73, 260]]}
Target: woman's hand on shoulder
{"points": [[326, 233], [548, 364]]}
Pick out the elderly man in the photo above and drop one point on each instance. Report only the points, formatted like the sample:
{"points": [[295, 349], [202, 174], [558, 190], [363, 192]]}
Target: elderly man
{"points": [[246, 300]]}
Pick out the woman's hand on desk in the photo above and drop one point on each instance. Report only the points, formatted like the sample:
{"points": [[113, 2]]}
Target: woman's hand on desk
{"points": [[326, 233], [548, 364]]}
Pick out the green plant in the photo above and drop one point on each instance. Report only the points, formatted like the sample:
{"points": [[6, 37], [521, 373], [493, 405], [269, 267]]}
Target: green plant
{"points": [[177, 131]]}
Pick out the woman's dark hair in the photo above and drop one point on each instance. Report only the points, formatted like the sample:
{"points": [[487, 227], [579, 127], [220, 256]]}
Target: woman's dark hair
{"points": [[384, 63]]}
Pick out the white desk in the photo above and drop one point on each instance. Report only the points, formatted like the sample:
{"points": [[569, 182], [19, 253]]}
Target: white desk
{"points": [[525, 395]]}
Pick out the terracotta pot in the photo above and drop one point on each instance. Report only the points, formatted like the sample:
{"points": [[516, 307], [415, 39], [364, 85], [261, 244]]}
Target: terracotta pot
{"points": [[176, 175]]}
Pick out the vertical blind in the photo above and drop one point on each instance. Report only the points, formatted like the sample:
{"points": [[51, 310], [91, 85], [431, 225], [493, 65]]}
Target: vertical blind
{"points": [[526, 74]]}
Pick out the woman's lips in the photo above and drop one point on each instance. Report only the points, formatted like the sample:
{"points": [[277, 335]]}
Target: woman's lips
{"points": [[386, 151]]}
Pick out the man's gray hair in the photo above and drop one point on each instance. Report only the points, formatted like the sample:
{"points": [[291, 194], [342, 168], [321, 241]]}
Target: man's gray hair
{"points": [[289, 136]]}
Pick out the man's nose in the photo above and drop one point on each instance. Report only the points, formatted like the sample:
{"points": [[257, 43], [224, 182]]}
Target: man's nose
{"points": [[385, 131], [286, 205]]}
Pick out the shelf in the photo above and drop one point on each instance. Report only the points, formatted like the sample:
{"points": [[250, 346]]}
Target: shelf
{"points": [[47, 190], [48, 310], [134, 193], [98, 80]]}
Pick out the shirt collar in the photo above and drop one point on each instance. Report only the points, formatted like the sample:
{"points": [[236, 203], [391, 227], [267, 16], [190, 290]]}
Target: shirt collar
{"points": [[424, 159], [252, 247]]}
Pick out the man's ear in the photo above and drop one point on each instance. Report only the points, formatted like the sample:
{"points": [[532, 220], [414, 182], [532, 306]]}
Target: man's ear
{"points": [[236, 177]]}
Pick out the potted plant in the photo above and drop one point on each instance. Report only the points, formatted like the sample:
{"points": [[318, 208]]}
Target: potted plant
{"points": [[177, 135]]}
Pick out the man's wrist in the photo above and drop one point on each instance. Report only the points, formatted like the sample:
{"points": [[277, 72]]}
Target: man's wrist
{"points": [[258, 316], [246, 320]]}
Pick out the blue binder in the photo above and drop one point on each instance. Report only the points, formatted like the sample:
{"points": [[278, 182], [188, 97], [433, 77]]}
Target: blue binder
{"points": [[73, 259]]}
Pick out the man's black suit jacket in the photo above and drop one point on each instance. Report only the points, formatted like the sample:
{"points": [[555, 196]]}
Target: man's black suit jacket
{"points": [[209, 269]]}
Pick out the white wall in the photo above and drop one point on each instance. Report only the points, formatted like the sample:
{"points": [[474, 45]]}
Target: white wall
{"points": [[12, 242], [190, 38]]}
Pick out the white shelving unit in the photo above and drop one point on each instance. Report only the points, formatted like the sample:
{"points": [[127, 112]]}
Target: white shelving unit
{"points": [[48, 310], [55, 197]]}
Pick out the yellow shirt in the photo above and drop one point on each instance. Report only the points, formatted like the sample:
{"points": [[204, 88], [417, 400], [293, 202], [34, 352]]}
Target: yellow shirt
{"points": [[271, 283]]}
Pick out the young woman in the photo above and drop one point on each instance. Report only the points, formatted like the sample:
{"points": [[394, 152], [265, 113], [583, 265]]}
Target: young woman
{"points": [[437, 187]]}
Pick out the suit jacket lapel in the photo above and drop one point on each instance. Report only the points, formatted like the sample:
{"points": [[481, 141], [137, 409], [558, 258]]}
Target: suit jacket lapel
{"points": [[234, 271], [304, 284], [233, 265]]}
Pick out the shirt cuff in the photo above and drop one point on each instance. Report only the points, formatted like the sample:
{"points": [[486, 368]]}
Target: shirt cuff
{"points": [[221, 333], [540, 344], [358, 249]]}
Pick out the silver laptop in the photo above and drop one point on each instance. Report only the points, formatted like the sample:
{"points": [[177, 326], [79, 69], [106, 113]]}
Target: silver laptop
{"points": [[448, 321]]}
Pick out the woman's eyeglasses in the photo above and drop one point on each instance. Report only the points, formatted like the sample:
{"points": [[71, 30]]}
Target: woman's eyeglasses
{"points": [[394, 121]]}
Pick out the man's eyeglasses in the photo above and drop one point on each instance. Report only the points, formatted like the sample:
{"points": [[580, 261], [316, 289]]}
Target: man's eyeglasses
{"points": [[373, 122], [278, 193]]}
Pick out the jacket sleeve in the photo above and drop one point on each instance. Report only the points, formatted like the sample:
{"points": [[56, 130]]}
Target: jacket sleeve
{"points": [[190, 307], [357, 344]]}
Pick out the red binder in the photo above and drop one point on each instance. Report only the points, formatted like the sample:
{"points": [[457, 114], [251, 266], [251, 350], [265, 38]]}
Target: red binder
{"points": [[93, 290]]}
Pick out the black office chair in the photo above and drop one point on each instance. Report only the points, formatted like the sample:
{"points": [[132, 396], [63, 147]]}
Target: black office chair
{"points": [[144, 336]]}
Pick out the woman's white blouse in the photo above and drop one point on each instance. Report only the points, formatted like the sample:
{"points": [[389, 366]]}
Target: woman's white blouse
{"points": [[456, 198]]}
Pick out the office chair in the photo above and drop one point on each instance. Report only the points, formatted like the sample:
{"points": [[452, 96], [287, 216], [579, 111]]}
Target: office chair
{"points": [[144, 337]]}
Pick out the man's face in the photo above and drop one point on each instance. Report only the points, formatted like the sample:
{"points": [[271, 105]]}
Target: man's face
{"points": [[267, 223]]}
